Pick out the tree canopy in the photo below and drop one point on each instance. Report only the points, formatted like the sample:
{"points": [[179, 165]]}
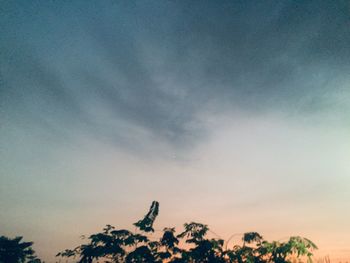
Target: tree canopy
{"points": [[121, 245], [16, 251]]}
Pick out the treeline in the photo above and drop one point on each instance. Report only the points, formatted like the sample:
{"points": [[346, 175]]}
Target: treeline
{"points": [[190, 246]]}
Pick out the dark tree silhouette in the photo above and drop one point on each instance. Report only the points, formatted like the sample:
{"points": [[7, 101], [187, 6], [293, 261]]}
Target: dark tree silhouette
{"points": [[16, 251], [146, 224], [125, 246]]}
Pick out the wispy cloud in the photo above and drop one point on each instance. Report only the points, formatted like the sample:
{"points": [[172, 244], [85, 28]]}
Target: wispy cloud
{"points": [[159, 66]]}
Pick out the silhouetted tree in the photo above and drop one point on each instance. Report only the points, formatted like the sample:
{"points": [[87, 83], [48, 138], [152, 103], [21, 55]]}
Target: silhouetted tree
{"points": [[16, 251], [124, 246], [146, 224]]}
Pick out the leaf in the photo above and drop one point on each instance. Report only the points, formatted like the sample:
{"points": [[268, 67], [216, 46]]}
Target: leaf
{"points": [[251, 237], [194, 231]]}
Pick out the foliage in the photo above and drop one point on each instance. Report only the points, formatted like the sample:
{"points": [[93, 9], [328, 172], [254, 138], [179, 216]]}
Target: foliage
{"points": [[146, 224], [125, 246], [16, 251]]}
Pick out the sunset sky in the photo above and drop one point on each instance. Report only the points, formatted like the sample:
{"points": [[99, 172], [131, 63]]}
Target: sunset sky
{"points": [[231, 113]]}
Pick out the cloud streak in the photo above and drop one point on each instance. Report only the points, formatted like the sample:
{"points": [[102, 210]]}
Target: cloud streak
{"points": [[159, 66], [98, 98]]}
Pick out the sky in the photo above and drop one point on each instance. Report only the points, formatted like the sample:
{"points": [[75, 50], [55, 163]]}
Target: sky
{"points": [[231, 113]]}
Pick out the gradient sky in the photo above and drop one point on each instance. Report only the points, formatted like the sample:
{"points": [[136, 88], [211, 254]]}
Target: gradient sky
{"points": [[230, 113]]}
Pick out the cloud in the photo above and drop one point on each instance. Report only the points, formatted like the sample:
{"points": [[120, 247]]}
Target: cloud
{"points": [[152, 69]]}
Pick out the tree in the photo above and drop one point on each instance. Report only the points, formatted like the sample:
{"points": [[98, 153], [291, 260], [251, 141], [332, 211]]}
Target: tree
{"points": [[113, 245], [16, 251]]}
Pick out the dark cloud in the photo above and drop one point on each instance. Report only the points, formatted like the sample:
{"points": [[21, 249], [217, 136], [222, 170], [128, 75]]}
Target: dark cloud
{"points": [[158, 65]]}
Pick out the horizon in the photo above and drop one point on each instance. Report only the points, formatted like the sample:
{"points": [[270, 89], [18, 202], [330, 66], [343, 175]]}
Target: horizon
{"points": [[233, 114]]}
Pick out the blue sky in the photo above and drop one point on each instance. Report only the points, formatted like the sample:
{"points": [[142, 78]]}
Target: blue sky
{"points": [[224, 112]]}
